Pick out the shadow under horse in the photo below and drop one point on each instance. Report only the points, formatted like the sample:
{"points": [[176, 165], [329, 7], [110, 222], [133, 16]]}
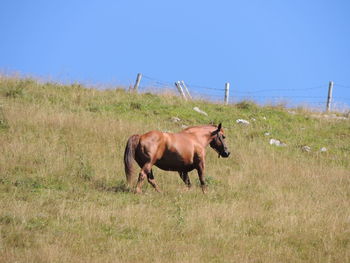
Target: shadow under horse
{"points": [[181, 152]]}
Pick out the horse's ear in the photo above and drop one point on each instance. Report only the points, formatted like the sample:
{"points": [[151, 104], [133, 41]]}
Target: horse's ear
{"points": [[219, 126], [217, 130]]}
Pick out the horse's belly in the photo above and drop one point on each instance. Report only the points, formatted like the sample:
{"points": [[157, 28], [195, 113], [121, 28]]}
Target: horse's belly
{"points": [[179, 166]]}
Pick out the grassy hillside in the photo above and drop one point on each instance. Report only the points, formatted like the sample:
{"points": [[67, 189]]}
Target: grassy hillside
{"points": [[63, 196]]}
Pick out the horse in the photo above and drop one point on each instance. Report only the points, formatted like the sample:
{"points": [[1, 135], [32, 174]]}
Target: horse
{"points": [[181, 152]]}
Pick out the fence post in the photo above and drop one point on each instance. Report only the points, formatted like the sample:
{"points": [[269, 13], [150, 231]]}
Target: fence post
{"points": [[137, 83], [179, 88], [227, 89], [186, 90], [329, 97]]}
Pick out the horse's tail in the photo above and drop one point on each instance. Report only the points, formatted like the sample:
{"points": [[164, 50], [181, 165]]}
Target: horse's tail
{"points": [[129, 155]]}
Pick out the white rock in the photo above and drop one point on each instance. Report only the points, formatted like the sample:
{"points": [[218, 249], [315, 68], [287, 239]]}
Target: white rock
{"points": [[175, 119], [184, 126], [200, 111], [340, 118], [264, 118], [267, 134], [274, 142], [277, 142], [306, 148], [333, 116], [253, 119], [241, 121], [323, 149]]}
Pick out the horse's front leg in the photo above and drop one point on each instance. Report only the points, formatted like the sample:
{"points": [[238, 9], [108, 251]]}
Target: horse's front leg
{"points": [[200, 170]]}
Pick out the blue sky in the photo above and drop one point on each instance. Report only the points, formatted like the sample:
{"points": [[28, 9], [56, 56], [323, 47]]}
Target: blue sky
{"points": [[268, 50]]}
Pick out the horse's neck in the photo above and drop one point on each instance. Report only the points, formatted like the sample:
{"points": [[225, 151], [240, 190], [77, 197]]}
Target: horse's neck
{"points": [[203, 134], [204, 139]]}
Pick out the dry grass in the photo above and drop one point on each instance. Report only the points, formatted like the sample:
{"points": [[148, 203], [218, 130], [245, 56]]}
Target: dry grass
{"points": [[62, 194]]}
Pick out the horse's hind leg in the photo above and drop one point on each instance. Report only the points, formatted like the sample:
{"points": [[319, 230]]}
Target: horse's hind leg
{"points": [[139, 183], [151, 180], [143, 174], [184, 176], [146, 171]]}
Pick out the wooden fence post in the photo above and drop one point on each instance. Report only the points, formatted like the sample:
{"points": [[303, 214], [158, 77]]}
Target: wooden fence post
{"points": [[329, 97], [179, 88], [137, 83], [227, 89], [186, 90]]}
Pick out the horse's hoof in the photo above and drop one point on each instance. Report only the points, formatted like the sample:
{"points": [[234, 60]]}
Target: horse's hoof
{"points": [[138, 191]]}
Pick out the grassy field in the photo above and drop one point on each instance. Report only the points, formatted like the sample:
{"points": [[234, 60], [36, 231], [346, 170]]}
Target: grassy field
{"points": [[63, 196]]}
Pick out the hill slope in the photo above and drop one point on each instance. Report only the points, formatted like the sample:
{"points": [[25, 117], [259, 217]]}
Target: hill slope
{"points": [[63, 196]]}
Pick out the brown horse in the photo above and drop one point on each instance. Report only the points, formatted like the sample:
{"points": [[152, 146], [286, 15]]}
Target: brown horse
{"points": [[181, 152]]}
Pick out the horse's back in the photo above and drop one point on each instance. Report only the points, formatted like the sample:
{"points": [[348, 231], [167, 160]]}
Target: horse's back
{"points": [[154, 137]]}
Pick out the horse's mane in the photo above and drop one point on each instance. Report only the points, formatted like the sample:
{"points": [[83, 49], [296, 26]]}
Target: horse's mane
{"points": [[200, 127]]}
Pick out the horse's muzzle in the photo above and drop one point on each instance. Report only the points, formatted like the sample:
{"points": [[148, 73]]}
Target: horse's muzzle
{"points": [[225, 154]]}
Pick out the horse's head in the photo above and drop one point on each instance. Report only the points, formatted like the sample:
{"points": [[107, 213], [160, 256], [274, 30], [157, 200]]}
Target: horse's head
{"points": [[218, 142]]}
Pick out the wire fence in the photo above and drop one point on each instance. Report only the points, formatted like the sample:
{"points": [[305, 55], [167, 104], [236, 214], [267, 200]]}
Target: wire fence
{"points": [[314, 97]]}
